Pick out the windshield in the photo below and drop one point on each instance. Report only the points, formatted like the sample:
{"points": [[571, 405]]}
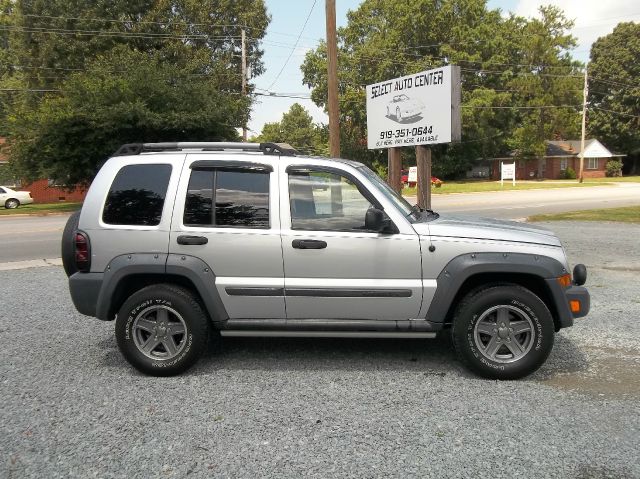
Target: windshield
{"points": [[402, 204]]}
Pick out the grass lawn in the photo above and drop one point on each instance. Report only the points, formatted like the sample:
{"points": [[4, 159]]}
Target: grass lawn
{"points": [[632, 179], [480, 186], [627, 214], [42, 209]]}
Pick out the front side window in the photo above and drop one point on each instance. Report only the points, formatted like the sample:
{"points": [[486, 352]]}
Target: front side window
{"points": [[563, 164], [241, 199], [326, 201], [592, 163], [136, 197]]}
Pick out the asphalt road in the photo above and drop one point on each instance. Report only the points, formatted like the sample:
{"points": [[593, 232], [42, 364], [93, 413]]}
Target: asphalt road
{"points": [[24, 238], [72, 407], [520, 204]]}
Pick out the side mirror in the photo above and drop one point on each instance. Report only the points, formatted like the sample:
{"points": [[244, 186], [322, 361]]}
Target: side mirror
{"points": [[374, 219]]}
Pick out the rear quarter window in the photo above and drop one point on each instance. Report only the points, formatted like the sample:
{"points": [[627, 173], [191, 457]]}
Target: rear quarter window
{"points": [[137, 194]]}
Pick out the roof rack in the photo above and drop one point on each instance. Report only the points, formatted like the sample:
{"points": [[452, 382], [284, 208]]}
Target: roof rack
{"points": [[282, 149]]}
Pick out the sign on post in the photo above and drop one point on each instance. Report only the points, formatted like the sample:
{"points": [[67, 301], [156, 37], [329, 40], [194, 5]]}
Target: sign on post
{"points": [[418, 109], [412, 177], [507, 172]]}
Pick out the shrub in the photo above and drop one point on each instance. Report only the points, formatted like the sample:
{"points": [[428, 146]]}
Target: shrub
{"points": [[614, 168], [568, 174]]}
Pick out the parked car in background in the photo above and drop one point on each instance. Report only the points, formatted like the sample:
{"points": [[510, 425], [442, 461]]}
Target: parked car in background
{"points": [[11, 199]]}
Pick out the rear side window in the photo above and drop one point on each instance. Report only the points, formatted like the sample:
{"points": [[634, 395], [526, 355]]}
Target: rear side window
{"points": [[241, 199], [137, 195]]}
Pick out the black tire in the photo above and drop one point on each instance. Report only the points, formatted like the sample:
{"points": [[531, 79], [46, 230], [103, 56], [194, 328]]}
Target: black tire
{"points": [[143, 307], [67, 245], [500, 352], [11, 204]]}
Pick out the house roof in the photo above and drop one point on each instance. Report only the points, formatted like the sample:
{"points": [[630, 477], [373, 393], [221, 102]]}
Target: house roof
{"points": [[567, 147], [571, 149]]}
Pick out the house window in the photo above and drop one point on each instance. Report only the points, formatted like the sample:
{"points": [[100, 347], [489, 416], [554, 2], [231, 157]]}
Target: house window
{"points": [[563, 164], [592, 163]]}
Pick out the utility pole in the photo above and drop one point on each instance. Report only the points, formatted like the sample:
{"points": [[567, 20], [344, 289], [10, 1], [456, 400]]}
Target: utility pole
{"points": [[244, 77], [423, 161], [332, 79], [585, 94]]}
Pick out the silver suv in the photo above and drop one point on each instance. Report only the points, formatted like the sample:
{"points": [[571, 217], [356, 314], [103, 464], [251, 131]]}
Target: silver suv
{"points": [[182, 243]]}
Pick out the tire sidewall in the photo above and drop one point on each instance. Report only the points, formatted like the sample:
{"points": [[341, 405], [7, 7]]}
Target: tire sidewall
{"points": [[543, 331], [196, 332]]}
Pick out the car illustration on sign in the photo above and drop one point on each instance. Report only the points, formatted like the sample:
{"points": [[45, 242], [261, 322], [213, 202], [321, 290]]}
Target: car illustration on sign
{"points": [[402, 108]]}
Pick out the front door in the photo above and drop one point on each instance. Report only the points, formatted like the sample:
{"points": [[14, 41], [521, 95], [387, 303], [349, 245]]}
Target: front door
{"points": [[334, 267], [232, 204]]}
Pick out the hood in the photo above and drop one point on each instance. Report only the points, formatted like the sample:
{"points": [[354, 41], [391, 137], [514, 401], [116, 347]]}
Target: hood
{"points": [[487, 228]]}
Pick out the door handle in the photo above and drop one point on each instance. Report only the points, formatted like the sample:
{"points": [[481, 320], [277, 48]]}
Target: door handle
{"points": [[189, 240], [308, 244]]}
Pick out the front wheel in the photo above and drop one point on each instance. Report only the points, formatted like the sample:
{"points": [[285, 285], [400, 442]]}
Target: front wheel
{"points": [[503, 332], [162, 330]]}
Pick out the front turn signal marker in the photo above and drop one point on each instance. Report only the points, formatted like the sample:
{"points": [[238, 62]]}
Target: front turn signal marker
{"points": [[575, 305], [564, 280]]}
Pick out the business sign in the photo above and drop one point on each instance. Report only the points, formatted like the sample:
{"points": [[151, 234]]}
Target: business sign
{"points": [[419, 109], [507, 172]]}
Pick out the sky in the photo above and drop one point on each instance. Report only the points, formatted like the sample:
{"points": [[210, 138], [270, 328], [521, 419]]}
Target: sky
{"points": [[282, 57]]}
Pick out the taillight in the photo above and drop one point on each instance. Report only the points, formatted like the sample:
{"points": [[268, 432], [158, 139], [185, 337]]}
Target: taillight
{"points": [[83, 252]]}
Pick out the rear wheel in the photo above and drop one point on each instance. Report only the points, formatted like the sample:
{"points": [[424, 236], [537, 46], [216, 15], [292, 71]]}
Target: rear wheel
{"points": [[162, 330], [503, 332], [11, 204]]}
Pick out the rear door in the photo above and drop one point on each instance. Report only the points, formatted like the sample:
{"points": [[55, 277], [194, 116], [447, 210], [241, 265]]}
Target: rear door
{"points": [[231, 202]]}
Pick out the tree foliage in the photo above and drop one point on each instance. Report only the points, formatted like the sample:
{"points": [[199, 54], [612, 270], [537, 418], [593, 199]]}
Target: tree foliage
{"points": [[506, 63], [297, 129], [614, 70], [123, 71]]}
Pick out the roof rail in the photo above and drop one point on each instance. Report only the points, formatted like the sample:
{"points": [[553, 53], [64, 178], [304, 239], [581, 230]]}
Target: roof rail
{"points": [[282, 149]]}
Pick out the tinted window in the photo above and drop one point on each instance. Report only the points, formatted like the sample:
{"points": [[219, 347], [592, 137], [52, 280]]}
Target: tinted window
{"points": [[137, 195], [2, 190], [326, 201], [241, 199]]}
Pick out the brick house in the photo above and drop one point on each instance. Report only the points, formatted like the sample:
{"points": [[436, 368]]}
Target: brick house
{"points": [[42, 191], [560, 156]]}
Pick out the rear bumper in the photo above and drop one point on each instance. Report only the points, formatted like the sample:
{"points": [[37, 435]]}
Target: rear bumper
{"points": [[85, 290]]}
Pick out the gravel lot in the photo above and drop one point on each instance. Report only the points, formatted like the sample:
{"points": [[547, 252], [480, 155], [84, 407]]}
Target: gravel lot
{"points": [[72, 407]]}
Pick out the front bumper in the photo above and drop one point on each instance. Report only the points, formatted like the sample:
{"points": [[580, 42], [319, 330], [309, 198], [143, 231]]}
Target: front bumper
{"points": [[581, 295], [562, 298]]}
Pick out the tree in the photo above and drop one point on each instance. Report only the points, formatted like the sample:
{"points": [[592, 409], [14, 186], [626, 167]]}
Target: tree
{"points": [[298, 129], [68, 135], [506, 62], [90, 51], [614, 94]]}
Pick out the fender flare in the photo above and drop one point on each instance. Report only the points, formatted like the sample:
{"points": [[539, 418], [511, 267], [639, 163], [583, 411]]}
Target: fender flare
{"points": [[196, 271], [463, 267]]}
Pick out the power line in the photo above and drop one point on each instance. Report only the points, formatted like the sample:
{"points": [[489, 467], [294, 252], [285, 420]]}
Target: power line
{"points": [[616, 112], [294, 46], [109, 34], [146, 22]]}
